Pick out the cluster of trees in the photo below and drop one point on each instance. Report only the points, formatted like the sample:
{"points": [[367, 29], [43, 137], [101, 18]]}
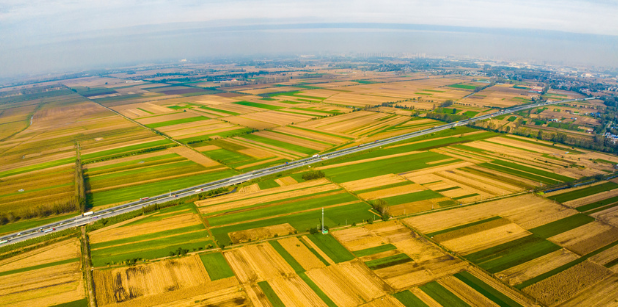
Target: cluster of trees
{"points": [[80, 185], [57, 207], [310, 175], [381, 206], [212, 193]]}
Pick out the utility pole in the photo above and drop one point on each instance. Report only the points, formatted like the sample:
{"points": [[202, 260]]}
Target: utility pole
{"points": [[322, 220]]}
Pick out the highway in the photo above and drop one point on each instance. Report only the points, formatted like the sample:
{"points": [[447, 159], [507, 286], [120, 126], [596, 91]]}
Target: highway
{"points": [[135, 205]]}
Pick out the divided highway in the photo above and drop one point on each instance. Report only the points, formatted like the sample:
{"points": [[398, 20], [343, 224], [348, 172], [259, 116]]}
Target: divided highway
{"points": [[82, 220]]}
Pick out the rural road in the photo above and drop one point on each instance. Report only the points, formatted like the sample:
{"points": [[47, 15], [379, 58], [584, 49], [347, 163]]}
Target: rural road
{"points": [[83, 220]]}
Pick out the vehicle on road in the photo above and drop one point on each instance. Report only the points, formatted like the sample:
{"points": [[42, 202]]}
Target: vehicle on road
{"points": [[48, 230], [144, 198], [316, 155], [87, 213], [199, 190]]}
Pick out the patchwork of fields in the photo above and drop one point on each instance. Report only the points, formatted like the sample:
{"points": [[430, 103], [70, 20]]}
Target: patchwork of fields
{"points": [[448, 219]]}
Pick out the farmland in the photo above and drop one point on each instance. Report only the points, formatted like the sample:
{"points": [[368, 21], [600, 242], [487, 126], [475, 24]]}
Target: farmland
{"points": [[454, 218]]}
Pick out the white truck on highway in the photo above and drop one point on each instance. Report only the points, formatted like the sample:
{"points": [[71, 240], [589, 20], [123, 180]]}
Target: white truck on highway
{"points": [[87, 213]]}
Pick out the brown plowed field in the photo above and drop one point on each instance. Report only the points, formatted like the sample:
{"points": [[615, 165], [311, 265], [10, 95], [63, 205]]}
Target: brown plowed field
{"points": [[173, 222], [385, 301], [604, 293], [293, 291], [285, 181], [586, 238], [568, 283], [348, 284], [43, 287], [486, 239], [591, 199], [410, 188], [372, 182], [261, 233], [465, 292], [253, 263], [609, 216], [150, 280], [460, 216], [492, 282], [533, 268], [301, 253], [226, 297], [67, 249]]}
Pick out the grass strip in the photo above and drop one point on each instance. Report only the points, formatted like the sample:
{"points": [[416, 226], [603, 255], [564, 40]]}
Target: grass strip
{"points": [[331, 247], [216, 266], [463, 226], [408, 299], [562, 225], [177, 121], [270, 294], [315, 253], [412, 197], [317, 290], [388, 261], [288, 258], [518, 173], [584, 192], [258, 105], [151, 236], [388, 186], [79, 303], [598, 204], [557, 270], [374, 250], [486, 290], [465, 196], [268, 184], [443, 296], [535, 171], [510, 254], [40, 266], [219, 110]]}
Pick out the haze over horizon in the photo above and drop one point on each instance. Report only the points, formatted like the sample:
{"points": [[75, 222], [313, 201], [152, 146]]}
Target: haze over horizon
{"points": [[56, 36]]}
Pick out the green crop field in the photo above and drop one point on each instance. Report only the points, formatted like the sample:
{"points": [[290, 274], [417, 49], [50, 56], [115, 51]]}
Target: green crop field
{"points": [[219, 110], [443, 296], [374, 250], [270, 294], [281, 144], [266, 211], [388, 261], [334, 216], [229, 157], [331, 247], [534, 170], [519, 173], [463, 226], [599, 205], [153, 188], [177, 121], [258, 105], [385, 166], [288, 258], [486, 290], [317, 290], [411, 197], [510, 254], [463, 86], [216, 266], [584, 192], [562, 225], [268, 184], [146, 248], [126, 149], [408, 299]]}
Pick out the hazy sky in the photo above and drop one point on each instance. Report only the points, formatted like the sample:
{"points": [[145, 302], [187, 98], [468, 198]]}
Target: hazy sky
{"points": [[42, 35]]}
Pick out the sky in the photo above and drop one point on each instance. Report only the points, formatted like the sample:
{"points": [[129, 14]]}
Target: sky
{"points": [[40, 36]]}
